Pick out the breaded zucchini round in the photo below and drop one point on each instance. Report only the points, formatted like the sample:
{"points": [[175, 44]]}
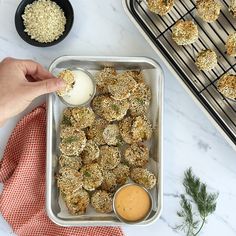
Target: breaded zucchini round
{"points": [[206, 60], [69, 180], [104, 78], [137, 155], [208, 10], [90, 153], [231, 45], [77, 202], [111, 135], [185, 32], [140, 100], [143, 177], [115, 110], [227, 86], [109, 158], [83, 117], [122, 173], [73, 145], [95, 132], [122, 87], [101, 201], [160, 7], [125, 126], [141, 129], [109, 108], [109, 181], [92, 176], [69, 79], [73, 162]]}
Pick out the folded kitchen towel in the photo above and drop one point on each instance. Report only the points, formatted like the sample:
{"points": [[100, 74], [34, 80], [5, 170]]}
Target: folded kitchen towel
{"points": [[22, 171]]}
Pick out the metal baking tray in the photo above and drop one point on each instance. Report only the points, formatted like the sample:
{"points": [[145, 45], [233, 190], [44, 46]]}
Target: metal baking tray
{"points": [[201, 86], [154, 77]]}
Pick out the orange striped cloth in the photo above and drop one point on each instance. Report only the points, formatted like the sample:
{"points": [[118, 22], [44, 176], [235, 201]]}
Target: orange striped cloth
{"points": [[22, 170]]}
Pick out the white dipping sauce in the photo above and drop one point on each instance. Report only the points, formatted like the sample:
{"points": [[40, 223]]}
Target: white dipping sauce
{"points": [[82, 90]]}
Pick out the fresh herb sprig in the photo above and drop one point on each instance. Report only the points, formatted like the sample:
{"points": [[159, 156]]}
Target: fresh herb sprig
{"points": [[204, 201], [70, 139], [66, 121]]}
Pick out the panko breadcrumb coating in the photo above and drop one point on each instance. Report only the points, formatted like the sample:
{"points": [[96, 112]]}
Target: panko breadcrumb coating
{"points": [[140, 100], [231, 45], [102, 201], [69, 180], [67, 131], [74, 144], [137, 155], [185, 32], [206, 60], [109, 181], [92, 176], [141, 129], [227, 86], [77, 202], [125, 126], [161, 7], [208, 10], [69, 80], [122, 87], [95, 132], [109, 108], [232, 7], [122, 173], [111, 135], [73, 162], [143, 177], [109, 158], [90, 153], [83, 117], [136, 75], [104, 78]]}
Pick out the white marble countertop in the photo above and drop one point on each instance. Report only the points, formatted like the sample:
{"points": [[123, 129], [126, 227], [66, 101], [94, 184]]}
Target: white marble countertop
{"points": [[101, 28]]}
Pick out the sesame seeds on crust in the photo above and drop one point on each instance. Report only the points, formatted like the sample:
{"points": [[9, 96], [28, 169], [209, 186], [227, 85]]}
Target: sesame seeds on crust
{"points": [[160, 7], [184, 32], [206, 60]]}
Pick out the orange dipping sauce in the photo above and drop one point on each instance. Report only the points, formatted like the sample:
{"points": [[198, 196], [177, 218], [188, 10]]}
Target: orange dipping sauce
{"points": [[132, 203]]}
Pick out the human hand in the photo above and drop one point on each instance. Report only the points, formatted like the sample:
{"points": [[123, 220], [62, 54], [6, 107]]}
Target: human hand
{"points": [[20, 82]]}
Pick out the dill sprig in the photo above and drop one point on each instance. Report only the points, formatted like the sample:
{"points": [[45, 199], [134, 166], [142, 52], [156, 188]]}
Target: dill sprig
{"points": [[70, 139], [204, 201], [66, 121], [189, 223], [115, 107]]}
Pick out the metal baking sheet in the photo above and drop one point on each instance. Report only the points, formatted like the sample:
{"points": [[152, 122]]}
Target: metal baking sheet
{"points": [[181, 59], [154, 78]]}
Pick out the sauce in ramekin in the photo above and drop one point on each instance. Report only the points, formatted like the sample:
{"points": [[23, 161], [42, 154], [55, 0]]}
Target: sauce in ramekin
{"points": [[132, 203], [83, 89]]}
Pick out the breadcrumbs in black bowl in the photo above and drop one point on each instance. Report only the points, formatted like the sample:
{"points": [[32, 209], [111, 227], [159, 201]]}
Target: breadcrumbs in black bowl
{"points": [[44, 23]]}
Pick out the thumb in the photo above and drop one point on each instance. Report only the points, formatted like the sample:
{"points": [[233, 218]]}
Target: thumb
{"points": [[45, 86]]}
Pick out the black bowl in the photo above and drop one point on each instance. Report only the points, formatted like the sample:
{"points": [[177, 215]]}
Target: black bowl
{"points": [[69, 14]]}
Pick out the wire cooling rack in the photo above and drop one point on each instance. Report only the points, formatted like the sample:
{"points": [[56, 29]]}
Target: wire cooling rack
{"points": [[182, 58]]}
